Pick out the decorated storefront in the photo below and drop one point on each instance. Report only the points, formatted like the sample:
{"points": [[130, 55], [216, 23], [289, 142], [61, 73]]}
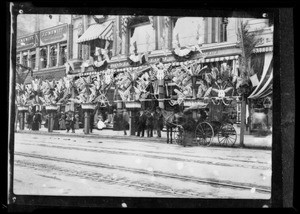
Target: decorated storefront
{"points": [[260, 99]]}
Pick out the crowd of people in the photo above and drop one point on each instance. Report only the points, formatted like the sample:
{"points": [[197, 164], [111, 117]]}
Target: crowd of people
{"points": [[149, 121], [146, 122]]}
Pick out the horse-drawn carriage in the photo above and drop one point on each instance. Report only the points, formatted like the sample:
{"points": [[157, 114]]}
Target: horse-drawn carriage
{"points": [[193, 127]]}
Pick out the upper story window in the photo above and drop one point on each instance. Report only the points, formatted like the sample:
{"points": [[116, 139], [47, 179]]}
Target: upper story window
{"points": [[141, 35], [187, 31], [215, 29]]}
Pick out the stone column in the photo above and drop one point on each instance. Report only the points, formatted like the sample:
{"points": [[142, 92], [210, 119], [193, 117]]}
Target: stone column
{"points": [[50, 122], [86, 122], [48, 56], [21, 57], [37, 58], [132, 125], [28, 59], [58, 55], [22, 120], [161, 93]]}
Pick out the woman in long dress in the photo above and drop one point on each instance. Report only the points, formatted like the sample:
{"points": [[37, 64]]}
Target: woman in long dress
{"points": [[76, 125], [62, 122]]}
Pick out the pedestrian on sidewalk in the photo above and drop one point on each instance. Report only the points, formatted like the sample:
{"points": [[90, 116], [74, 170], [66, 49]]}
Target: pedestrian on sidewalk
{"points": [[29, 120], [92, 121], [37, 119], [158, 121], [56, 121], [76, 125], [70, 121], [62, 122], [142, 124], [125, 121], [150, 123]]}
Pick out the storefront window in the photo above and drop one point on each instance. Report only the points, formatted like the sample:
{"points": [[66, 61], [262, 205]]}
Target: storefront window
{"points": [[187, 31], [141, 36], [18, 58], [43, 57], [32, 59], [63, 53], [25, 59], [53, 55]]}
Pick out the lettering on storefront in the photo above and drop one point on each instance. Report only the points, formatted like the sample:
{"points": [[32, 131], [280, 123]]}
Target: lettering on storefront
{"points": [[265, 40], [53, 35], [27, 42]]}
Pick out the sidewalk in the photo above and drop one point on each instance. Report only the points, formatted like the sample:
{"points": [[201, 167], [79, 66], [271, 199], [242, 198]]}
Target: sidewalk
{"points": [[250, 141]]}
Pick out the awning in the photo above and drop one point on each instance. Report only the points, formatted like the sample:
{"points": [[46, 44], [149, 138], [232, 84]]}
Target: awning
{"points": [[265, 85], [101, 31]]}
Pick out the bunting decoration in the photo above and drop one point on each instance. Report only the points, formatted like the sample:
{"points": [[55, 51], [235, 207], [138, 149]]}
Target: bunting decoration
{"points": [[151, 20]]}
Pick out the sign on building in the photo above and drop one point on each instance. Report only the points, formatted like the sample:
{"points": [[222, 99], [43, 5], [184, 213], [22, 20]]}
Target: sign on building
{"points": [[53, 35], [28, 42]]}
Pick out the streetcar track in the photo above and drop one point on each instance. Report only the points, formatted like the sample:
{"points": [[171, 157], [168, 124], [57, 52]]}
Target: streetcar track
{"points": [[107, 179], [121, 151], [221, 158], [155, 173]]}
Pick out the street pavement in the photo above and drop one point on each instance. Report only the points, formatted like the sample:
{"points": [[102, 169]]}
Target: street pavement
{"points": [[250, 141]]}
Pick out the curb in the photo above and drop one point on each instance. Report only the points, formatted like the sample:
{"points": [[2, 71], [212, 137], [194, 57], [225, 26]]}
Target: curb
{"points": [[125, 137], [135, 138]]}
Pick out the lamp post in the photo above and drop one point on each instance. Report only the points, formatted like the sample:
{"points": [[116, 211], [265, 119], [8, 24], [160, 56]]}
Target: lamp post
{"points": [[87, 108]]}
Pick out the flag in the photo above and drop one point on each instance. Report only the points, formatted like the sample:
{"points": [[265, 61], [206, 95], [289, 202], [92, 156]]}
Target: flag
{"points": [[106, 44], [119, 44], [135, 45], [254, 80], [177, 39], [151, 21]]}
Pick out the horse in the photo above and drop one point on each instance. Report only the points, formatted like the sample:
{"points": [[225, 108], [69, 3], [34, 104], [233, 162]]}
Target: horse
{"points": [[171, 121]]}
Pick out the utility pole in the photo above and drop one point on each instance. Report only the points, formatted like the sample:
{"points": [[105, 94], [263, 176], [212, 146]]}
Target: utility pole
{"points": [[243, 106]]}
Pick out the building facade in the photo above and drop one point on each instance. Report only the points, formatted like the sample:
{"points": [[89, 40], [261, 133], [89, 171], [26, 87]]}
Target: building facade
{"points": [[88, 44]]}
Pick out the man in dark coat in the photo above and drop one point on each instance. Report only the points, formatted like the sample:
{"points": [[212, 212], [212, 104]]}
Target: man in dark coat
{"points": [[158, 121], [92, 121], [70, 122], [142, 124], [150, 124], [30, 120], [125, 120], [37, 120]]}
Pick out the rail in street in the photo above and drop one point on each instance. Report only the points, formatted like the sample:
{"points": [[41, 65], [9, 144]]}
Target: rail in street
{"points": [[140, 168]]}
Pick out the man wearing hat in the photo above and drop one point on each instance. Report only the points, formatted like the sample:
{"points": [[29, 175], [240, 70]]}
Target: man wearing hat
{"points": [[158, 121]]}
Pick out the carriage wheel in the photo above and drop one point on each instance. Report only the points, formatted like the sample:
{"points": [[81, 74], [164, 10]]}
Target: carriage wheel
{"points": [[204, 134], [178, 135], [227, 135]]}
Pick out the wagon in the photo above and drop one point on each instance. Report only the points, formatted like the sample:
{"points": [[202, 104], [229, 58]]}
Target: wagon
{"points": [[205, 130]]}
